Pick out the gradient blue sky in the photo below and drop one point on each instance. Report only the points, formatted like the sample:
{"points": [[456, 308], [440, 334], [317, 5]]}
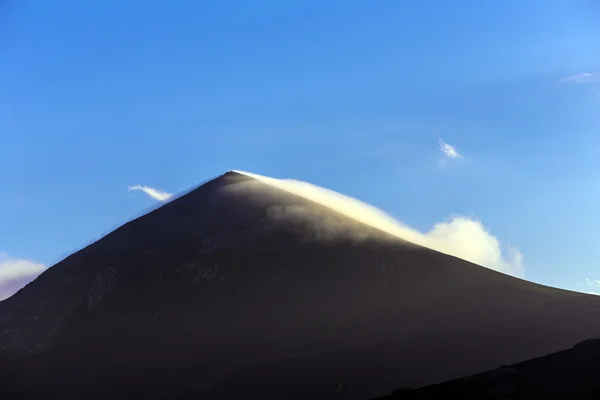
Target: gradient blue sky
{"points": [[350, 95]]}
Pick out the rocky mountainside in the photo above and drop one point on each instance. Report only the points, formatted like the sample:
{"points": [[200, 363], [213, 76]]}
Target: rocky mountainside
{"points": [[238, 289], [565, 375]]}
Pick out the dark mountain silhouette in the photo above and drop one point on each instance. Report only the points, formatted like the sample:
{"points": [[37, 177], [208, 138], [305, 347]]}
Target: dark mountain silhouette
{"points": [[241, 290], [565, 375]]}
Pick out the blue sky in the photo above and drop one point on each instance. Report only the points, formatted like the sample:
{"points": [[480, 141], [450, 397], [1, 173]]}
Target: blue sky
{"points": [[350, 95]]}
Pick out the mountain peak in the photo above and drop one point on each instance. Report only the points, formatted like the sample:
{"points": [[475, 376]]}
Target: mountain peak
{"points": [[246, 282]]}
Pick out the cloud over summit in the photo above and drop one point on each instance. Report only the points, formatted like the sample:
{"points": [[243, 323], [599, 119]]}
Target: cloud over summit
{"points": [[459, 236]]}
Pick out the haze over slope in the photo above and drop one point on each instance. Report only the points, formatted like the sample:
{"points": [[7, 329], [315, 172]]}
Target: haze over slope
{"points": [[460, 237]]}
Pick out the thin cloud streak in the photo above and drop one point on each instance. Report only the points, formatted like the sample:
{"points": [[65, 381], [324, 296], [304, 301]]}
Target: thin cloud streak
{"points": [[448, 150], [584, 77], [156, 194]]}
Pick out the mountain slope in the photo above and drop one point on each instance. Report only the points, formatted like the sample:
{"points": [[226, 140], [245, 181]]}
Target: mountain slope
{"points": [[565, 375], [242, 289]]}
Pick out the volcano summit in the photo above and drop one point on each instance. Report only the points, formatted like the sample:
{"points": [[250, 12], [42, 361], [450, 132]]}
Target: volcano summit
{"points": [[246, 288]]}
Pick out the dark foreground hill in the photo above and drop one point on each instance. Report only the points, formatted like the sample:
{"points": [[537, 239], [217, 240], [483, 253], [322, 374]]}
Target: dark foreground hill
{"points": [[241, 290], [565, 375]]}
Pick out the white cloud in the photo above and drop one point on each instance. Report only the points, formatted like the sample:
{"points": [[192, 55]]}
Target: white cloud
{"points": [[459, 236], [16, 273], [156, 194], [592, 282], [448, 150], [584, 77]]}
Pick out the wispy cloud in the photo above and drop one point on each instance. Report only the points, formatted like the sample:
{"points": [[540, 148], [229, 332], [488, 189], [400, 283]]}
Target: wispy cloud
{"points": [[592, 282], [448, 150], [156, 194], [16, 273], [583, 77]]}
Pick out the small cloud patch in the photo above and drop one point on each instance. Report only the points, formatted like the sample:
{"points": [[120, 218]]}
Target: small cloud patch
{"points": [[592, 282], [448, 150], [15, 273], [581, 78], [156, 194]]}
